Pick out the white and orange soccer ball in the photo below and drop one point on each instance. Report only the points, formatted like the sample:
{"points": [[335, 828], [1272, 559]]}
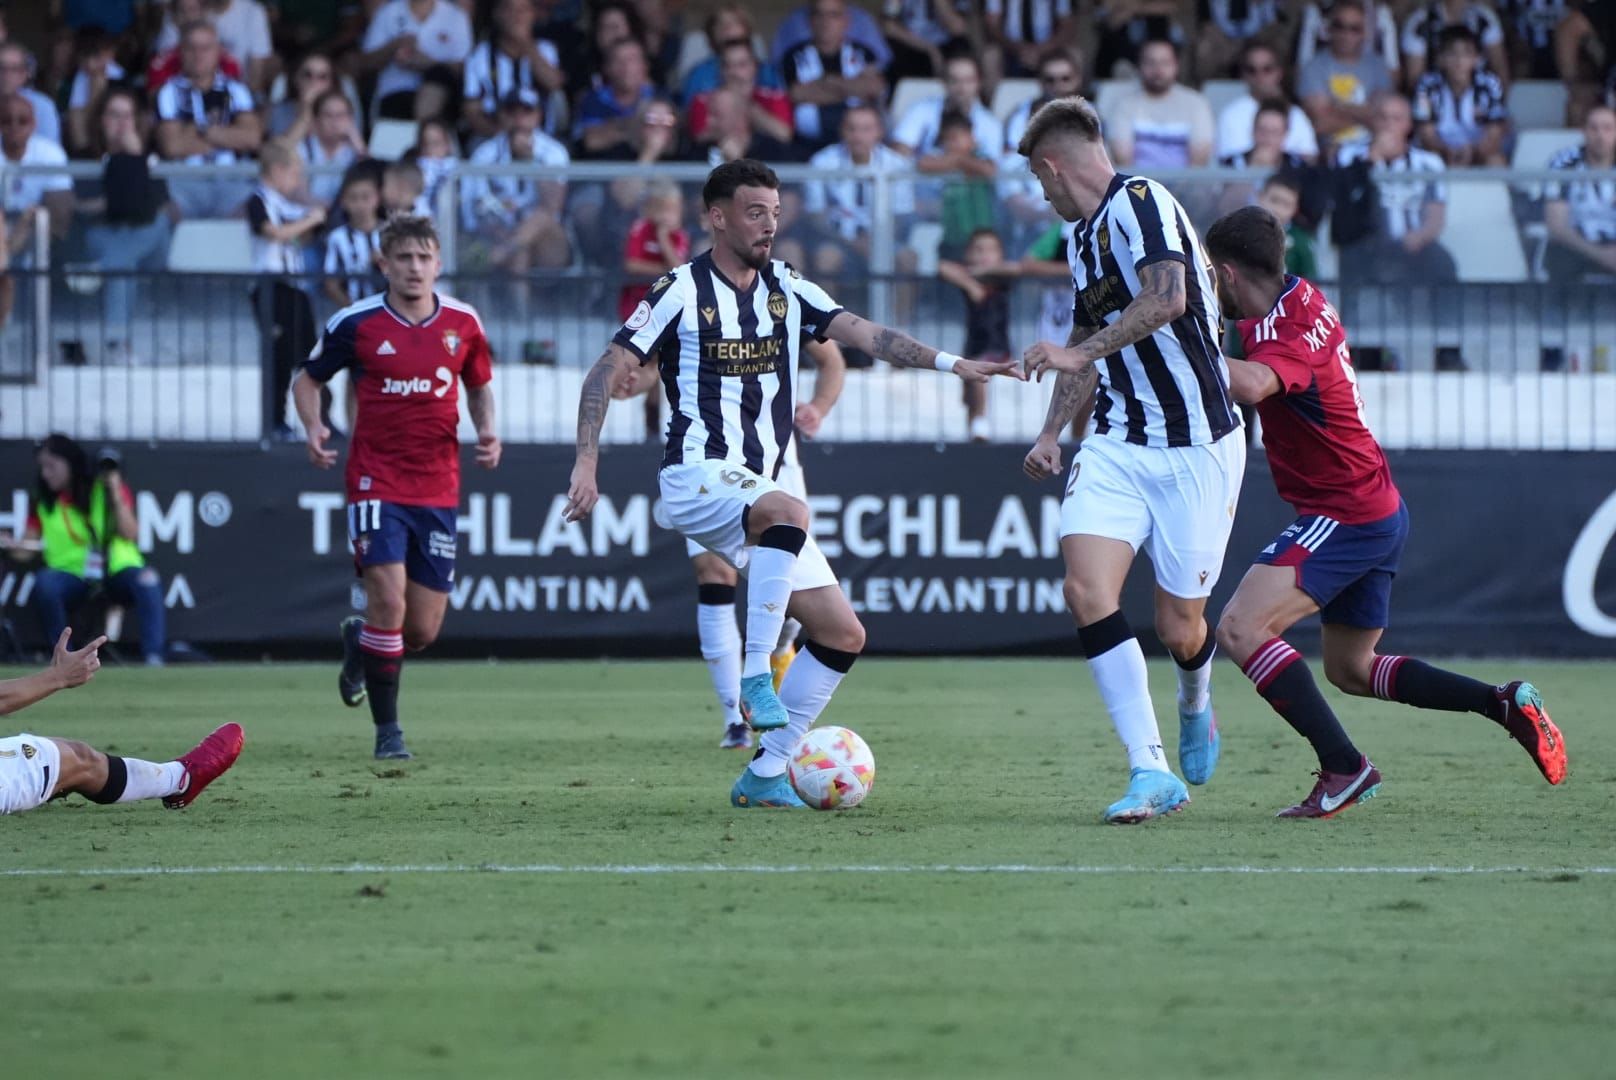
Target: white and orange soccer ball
{"points": [[832, 769]]}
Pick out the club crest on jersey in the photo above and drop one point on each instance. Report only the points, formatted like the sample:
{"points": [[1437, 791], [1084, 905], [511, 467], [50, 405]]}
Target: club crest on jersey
{"points": [[28, 751], [1102, 236], [777, 305], [451, 341], [1139, 190], [709, 314]]}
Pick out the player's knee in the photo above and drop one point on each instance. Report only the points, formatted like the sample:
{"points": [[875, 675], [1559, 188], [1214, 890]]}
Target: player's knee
{"points": [[846, 636], [417, 638], [778, 509], [1350, 675], [1085, 601], [1237, 635], [81, 765], [1182, 634]]}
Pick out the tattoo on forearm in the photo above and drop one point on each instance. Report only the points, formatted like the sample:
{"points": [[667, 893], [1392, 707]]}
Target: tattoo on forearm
{"points": [[592, 402], [1161, 296], [1072, 393], [480, 404], [901, 350]]}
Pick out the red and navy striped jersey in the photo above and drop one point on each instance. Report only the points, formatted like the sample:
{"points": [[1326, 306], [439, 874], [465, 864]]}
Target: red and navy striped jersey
{"points": [[1323, 458], [406, 376]]}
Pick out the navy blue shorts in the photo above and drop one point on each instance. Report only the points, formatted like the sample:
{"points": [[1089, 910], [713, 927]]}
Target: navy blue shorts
{"points": [[420, 537], [1346, 569]]}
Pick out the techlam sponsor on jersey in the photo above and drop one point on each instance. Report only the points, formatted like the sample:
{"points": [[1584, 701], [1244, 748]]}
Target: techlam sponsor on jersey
{"points": [[1582, 570], [406, 387]]}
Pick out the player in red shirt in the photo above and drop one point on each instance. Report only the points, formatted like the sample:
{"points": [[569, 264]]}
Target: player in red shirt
{"points": [[409, 348], [1339, 556]]}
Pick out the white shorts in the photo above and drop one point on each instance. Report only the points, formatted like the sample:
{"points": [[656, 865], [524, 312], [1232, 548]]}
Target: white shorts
{"points": [[29, 769], [1175, 502], [791, 481], [705, 501]]}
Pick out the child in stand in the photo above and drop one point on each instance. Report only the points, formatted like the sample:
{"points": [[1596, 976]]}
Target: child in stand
{"points": [[656, 244], [1281, 195], [352, 248], [437, 155], [987, 315]]}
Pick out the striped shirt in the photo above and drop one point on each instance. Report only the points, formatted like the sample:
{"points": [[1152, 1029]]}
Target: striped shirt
{"points": [[503, 201], [848, 205], [491, 74], [806, 64], [1402, 201], [1032, 21], [728, 358], [349, 253], [1592, 202], [1423, 27], [325, 186], [1239, 19], [1461, 118], [265, 207], [181, 100], [1171, 388]]}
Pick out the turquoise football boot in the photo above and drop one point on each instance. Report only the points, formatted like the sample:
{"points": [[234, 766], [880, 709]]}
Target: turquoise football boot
{"points": [[1198, 744], [768, 792], [760, 705], [1151, 793]]}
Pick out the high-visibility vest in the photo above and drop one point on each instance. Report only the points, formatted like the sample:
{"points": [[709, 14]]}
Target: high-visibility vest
{"points": [[68, 537]]}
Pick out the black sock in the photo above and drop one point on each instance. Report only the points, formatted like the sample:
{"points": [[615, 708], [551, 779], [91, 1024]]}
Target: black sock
{"points": [[381, 690], [1283, 679], [117, 779], [1414, 682]]}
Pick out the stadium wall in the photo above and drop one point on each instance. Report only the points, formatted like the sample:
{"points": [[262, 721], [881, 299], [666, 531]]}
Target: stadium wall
{"points": [[943, 550]]}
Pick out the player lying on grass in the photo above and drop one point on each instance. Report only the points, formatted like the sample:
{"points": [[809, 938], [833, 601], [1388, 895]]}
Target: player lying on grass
{"points": [[35, 769], [716, 579], [411, 348], [725, 329], [1339, 556]]}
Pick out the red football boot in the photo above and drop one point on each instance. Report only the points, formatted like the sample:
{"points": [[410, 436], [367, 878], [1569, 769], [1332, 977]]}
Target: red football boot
{"points": [[1528, 723], [1336, 791], [208, 761]]}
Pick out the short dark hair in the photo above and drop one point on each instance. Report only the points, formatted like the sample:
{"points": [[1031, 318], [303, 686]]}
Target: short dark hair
{"points": [[1251, 238], [724, 181], [1457, 34], [1159, 40], [402, 227], [1286, 180], [953, 119], [1275, 105], [980, 232]]}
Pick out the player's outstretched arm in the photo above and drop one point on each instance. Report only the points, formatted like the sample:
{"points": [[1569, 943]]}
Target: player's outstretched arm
{"points": [[67, 668], [480, 404], [306, 398], [1073, 399], [901, 350], [612, 367], [1161, 299], [1251, 382]]}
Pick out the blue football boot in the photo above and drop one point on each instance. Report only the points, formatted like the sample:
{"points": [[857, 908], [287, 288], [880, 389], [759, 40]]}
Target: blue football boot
{"points": [[1198, 744], [1151, 793], [760, 705], [770, 792]]}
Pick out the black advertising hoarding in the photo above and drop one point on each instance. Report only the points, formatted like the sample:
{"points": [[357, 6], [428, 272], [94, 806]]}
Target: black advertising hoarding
{"points": [[941, 550]]}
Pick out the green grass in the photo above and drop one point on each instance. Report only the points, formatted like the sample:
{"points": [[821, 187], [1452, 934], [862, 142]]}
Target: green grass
{"points": [[837, 974]]}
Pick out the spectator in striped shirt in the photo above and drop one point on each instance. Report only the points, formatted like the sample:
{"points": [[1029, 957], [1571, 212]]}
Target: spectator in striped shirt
{"points": [[352, 248], [1423, 34], [1581, 214], [511, 58], [1459, 108], [333, 139], [1403, 246]]}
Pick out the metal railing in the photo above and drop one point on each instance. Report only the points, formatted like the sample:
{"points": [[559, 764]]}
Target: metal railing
{"points": [[1499, 359]]}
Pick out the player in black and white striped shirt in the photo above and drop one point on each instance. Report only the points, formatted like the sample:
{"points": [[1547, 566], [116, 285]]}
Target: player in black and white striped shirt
{"points": [[726, 328], [1162, 469]]}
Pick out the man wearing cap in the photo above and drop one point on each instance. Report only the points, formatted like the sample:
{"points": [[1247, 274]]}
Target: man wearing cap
{"points": [[515, 220]]}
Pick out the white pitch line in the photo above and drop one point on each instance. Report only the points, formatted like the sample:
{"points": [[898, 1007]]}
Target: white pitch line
{"points": [[717, 868]]}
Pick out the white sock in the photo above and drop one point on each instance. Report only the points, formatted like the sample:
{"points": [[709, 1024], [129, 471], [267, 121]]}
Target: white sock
{"points": [[721, 648], [150, 780], [807, 688], [1124, 684], [1195, 684], [788, 635], [768, 591]]}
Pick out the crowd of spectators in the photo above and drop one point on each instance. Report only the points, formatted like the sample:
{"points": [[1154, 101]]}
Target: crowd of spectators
{"points": [[1398, 90]]}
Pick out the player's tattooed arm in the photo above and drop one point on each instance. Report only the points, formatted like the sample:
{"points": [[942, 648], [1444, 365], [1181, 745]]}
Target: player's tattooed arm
{"points": [[900, 350], [480, 404], [1160, 300], [1073, 399], [583, 491]]}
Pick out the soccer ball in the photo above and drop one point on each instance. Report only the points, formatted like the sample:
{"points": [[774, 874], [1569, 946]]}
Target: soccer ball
{"points": [[832, 769]]}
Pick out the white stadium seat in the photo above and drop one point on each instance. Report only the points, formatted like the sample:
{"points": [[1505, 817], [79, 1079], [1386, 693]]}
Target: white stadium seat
{"points": [[925, 238], [1011, 95], [1537, 103], [909, 91], [390, 138], [1479, 235], [1534, 149], [211, 247]]}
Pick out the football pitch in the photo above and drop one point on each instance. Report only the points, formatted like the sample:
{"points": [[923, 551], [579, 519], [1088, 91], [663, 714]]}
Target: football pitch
{"points": [[558, 887]]}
